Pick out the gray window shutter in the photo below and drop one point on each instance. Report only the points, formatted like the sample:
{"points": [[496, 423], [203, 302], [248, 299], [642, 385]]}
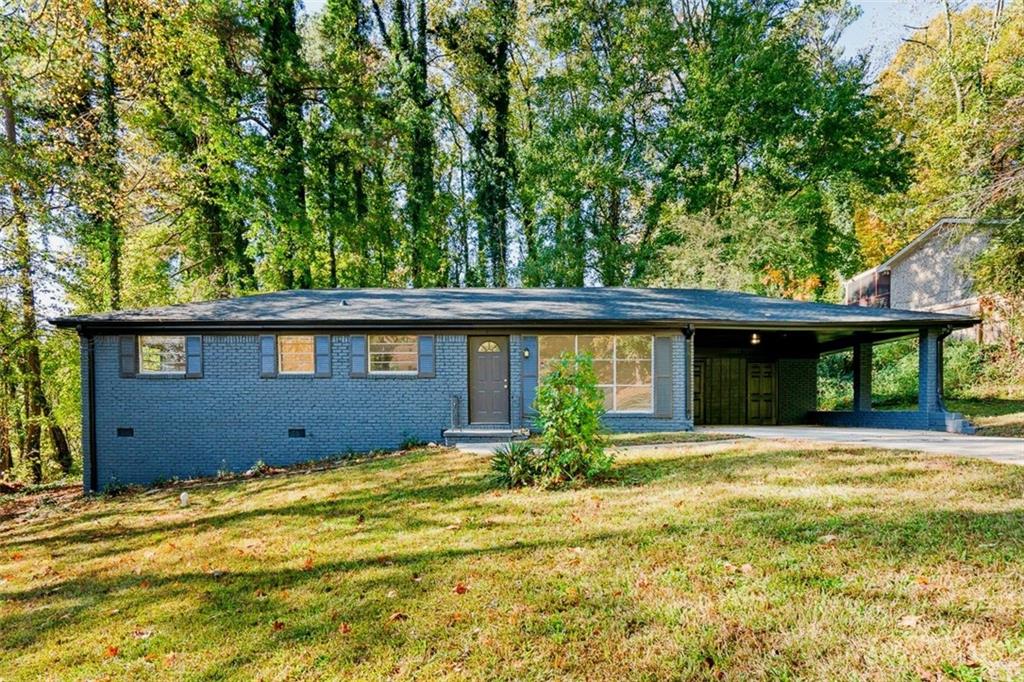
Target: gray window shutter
{"points": [[268, 356], [425, 344], [322, 344], [529, 373], [663, 377], [193, 357], [357, 344], [127, 347]]}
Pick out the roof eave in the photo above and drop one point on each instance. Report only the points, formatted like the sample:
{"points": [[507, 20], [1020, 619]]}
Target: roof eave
{"points": [[89, 326]]}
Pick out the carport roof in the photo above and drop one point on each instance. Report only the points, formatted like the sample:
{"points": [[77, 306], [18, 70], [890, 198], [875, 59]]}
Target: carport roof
{"points": [[498, 308]]}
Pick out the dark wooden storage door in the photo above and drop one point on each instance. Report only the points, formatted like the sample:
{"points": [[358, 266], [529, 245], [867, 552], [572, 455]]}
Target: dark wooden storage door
{"points": [[760, 393], [725, 391], [488, 380]]}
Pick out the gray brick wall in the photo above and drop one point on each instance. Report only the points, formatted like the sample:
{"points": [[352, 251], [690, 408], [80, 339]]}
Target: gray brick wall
{"points": [[797, 390], [231, 417]]}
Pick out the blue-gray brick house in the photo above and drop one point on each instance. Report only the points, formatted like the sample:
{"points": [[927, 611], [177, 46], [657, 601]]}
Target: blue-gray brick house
{"points": [[197, 388]]}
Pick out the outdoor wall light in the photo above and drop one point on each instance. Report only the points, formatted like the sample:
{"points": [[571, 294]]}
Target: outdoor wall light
{"points": [[755, 339], [526, 352]]}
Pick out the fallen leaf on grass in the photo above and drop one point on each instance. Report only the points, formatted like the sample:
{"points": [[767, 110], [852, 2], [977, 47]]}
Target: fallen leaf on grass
{"points": [[307, 565], [17, 556], [277, 626], [111, 651], [828, 539], [398, 616], [392, 594], [453, 526], [142, 634], [909, 621], [344, 628], [460, 588], [746, 569]]}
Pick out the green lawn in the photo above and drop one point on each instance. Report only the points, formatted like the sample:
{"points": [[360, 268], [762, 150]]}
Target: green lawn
{"points": [[658, 438], [992, 416], [759, 561]]}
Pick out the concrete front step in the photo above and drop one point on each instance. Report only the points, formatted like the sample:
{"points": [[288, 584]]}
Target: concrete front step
{"points": [[483, 434]]}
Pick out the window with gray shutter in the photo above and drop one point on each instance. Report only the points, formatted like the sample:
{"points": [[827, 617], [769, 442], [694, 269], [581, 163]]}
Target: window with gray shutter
{"points": [[357, 345], [322, 345], [129, 357], [425, 346], [193, 357], [268, 356], [663, 377], [531, 361]]}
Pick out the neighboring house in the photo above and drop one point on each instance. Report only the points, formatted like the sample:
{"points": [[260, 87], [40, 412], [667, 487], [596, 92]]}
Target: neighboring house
{"points": [[196, 388], [932, 273]]}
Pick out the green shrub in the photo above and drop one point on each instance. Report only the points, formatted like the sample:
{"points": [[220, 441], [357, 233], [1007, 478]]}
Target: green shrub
{"points": [[515, 465], [966, 364], [569, 408]]}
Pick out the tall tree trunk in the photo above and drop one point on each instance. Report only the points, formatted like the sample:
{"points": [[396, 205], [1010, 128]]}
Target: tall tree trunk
{"points": [[30, 364], [6, 431], [58, 439], [951, 59], [426, 252], [282, 68], [332, 190], [502, 167], [110, 223]]}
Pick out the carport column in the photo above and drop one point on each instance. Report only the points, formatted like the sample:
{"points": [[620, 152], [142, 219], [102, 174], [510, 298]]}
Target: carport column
{"points": [[862, 353], [929, 368], [688, 333]]}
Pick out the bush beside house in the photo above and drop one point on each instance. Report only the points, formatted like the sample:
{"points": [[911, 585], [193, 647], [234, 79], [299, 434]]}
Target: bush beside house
{"points": [[569, 408]]}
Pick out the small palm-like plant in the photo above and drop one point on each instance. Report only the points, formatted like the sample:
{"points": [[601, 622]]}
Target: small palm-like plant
{"points": [[515, 465]]}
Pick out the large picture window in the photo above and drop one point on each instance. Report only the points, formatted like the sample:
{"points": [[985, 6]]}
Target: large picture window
{"points": [[393, 354], [295, 354], [161, 354], [623, 364]]}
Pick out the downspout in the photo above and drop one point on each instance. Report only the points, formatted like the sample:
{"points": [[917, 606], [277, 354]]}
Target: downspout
{"points": [[90, 417]]}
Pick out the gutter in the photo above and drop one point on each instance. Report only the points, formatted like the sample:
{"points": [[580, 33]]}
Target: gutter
{"points": [[94, 475], [165, 326]]}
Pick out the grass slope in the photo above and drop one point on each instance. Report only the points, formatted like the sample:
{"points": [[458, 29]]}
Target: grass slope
{"points": [[720, 562]]}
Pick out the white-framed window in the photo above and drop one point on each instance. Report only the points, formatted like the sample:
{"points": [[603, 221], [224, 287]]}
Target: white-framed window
{"points": [[296, 354], [393, 354], [623, 363], [161, 355]]}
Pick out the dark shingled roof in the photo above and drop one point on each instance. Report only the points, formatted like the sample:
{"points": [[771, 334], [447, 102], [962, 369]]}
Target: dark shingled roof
{"points": [[462, 308]]}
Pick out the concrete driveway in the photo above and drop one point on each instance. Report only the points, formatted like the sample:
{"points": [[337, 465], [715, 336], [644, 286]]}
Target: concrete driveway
{"points": [[1005, 450]]}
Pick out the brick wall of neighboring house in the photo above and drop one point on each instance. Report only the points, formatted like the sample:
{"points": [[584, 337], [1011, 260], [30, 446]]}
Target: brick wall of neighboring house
{"points": [[935, 274], [231, 417]]}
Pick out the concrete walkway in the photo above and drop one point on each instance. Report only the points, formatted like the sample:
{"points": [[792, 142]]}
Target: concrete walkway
{"points": [[1005, 450]]}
